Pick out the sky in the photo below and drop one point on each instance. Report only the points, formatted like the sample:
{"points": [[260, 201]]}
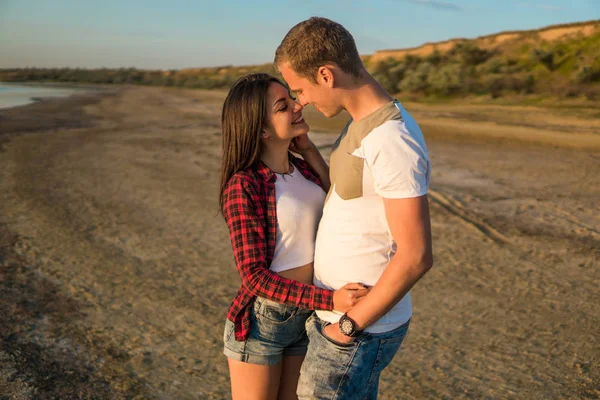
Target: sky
{"points": [[159, 34]]}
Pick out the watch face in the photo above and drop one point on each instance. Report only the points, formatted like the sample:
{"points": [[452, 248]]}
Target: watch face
{"points": [[346, 327]]}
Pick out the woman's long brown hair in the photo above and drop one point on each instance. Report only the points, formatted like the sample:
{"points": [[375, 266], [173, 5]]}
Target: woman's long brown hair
{"points": [[244, 116]]}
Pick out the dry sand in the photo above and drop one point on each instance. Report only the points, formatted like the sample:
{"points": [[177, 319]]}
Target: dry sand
{"points": [[116, 271]]}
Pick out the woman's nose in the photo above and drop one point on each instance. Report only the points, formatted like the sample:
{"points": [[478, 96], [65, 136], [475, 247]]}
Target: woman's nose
{"points": [[298, 106]]}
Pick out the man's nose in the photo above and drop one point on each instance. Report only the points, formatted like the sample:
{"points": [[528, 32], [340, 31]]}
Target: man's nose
{"points": [[302, 100]]}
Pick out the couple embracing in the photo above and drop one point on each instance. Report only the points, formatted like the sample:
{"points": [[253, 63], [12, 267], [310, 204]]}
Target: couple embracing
{"points": [[327, 254]]}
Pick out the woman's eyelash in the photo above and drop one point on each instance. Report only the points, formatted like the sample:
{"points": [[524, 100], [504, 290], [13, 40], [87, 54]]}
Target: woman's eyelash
{"points": [[284, 108]]}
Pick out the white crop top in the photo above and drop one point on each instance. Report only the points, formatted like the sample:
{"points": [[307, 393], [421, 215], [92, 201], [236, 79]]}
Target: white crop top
{"points": [[299, 209]]}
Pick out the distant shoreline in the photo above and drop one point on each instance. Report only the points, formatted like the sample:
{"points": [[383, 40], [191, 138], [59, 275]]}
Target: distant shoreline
{"points": [[62, 85], [45, 93], [47, 113]]}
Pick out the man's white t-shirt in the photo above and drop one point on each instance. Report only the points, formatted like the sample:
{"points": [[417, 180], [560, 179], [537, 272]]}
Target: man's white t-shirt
{"points": [[386, 156]]}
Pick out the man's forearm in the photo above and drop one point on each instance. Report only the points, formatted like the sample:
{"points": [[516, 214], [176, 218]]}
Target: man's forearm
{"points": [[395, 282]]}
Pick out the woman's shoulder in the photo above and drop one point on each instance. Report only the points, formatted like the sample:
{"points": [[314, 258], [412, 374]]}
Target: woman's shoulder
{"points": [[243, 179], [242, 188]]}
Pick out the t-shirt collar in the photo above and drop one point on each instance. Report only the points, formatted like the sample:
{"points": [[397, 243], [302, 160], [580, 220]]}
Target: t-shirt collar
{"points": [[377, 117]]}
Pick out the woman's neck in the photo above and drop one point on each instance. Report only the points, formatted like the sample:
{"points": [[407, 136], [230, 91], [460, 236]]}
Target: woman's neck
{"points": [[277, 161]]}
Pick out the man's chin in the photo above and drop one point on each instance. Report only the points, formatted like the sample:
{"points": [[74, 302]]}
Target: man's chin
{"points": [[330, 114]]}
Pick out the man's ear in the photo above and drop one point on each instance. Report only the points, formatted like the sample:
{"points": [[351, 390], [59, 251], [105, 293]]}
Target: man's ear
{"points": [[325, 76]]}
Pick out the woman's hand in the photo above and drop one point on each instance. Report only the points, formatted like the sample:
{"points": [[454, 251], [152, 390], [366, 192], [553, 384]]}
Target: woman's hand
{"points": [[311, 154], [302, 144], [348, 295]]}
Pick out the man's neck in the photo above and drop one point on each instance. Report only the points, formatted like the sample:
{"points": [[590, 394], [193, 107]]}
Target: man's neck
{"points": [[365, 97]]}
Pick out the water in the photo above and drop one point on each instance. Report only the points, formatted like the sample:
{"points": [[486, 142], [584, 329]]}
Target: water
{"points": [[13, 95]]}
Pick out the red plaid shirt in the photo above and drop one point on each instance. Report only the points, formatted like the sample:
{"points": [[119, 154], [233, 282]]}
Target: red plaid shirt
{"points": [[250, 211]]}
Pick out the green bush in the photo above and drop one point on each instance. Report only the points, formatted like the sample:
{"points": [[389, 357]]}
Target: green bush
{"points": [[545, 57], [495, 66], [416, 80], [588, 74], [434, 58], [385, 82], [469, 53], [447, 79]]}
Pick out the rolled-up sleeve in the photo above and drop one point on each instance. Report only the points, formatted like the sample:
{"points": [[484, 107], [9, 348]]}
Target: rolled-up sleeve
{"points": [[398, 162], [248, 235]]}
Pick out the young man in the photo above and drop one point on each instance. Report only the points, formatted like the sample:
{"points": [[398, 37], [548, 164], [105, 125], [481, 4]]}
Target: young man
{"points": [[375, 227]]}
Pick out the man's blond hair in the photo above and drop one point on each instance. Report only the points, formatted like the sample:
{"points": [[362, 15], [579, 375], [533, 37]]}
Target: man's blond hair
{"points": [[316, 42]]}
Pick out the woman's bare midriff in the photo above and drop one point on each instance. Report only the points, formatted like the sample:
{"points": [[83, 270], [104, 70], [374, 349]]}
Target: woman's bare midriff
{"points": [[302, 274]]}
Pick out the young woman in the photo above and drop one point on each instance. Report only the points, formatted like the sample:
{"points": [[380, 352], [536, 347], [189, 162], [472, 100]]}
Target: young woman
{"points": [[272, 203]]}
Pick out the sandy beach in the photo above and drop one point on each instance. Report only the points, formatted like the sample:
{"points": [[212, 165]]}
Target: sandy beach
{"points": [[116, 270]]}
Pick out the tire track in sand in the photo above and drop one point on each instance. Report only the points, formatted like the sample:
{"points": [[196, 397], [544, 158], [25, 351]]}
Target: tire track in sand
{"points": [[457, 209], [471, 220]]}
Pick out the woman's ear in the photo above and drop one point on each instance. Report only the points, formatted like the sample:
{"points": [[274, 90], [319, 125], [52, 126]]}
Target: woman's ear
{"points": [[264, 134]]}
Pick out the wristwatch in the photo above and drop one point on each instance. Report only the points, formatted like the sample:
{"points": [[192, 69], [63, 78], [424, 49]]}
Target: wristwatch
{"points": [[348, 327]]}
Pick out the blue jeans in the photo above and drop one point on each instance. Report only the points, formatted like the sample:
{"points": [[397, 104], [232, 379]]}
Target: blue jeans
{"points": [[333, 370], [276, 331]]}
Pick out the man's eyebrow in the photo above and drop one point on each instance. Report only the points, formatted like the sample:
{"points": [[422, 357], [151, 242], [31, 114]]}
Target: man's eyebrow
{"points": [[281, 99]]}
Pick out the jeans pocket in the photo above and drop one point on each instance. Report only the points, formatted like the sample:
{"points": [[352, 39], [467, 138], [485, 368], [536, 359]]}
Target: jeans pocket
{"points": [[321, 331]]}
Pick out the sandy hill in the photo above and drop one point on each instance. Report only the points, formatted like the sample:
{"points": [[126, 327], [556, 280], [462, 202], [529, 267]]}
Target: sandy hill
{"points": [[499, 41]]}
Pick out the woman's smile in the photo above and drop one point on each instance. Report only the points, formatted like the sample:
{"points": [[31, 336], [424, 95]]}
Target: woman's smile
{"points": [[299, 120]]}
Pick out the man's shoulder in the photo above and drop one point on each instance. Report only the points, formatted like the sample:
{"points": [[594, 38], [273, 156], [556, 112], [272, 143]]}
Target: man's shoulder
{"points": [[403, 128], [381, 135], [393, 140]]}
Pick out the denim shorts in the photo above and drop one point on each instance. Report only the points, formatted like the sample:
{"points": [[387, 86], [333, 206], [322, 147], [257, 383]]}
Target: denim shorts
{"points": [[276, 330], [333, 370]]}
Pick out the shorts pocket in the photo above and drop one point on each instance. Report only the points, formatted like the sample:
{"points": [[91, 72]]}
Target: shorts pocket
{"points": [[228, 331], [273, 312]]}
